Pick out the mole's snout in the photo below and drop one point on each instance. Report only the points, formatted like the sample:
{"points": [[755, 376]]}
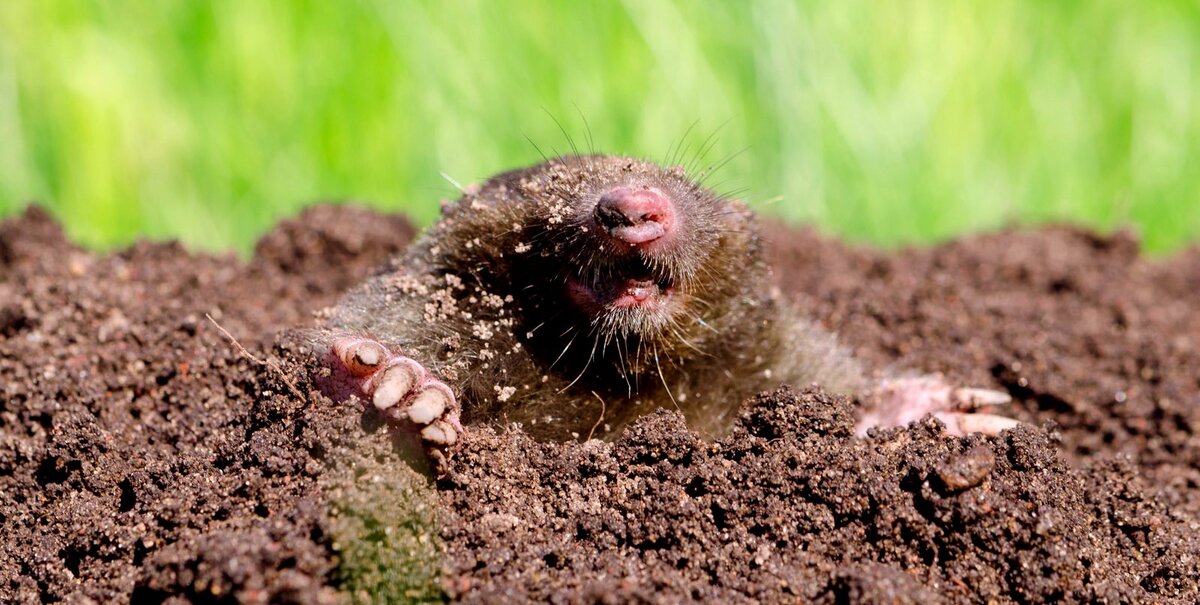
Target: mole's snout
{"points": [[635, 216]]}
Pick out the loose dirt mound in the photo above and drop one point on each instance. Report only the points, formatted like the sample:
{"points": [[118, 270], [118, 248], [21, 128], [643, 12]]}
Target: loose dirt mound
{"points": [[792, 506], [142, 455]]}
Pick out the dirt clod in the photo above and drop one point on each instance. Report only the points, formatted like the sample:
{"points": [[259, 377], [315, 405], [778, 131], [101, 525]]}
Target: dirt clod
{"points": [[966, 470]]}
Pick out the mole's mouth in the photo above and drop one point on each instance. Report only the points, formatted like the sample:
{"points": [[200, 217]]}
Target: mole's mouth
{"points": [[631, 293], [635, 287]]}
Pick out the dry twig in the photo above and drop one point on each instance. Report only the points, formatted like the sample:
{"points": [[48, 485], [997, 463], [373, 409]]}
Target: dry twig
{"points": [[248, 355], [603, 409]]}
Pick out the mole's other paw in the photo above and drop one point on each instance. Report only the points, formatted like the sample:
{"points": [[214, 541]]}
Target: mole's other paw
{"points": [[400, 388], [900, 401]]}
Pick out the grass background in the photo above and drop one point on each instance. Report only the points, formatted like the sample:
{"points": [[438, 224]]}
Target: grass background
{"points": [[885, 122]]}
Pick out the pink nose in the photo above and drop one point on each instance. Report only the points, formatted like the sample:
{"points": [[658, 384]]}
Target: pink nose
{"points": [[635, 216]]}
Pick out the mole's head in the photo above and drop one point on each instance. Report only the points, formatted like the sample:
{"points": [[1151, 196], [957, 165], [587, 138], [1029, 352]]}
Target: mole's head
{"points": [[634, 250]]}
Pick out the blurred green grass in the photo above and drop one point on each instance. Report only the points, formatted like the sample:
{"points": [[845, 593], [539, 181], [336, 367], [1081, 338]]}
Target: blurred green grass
{"points": [[890, 123]]}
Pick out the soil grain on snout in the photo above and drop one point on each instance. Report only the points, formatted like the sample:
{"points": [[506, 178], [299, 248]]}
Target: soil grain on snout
{"points": [[143, 457]]}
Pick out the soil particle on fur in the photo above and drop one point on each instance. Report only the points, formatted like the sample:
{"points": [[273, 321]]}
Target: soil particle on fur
{"points": [[142, 457]]}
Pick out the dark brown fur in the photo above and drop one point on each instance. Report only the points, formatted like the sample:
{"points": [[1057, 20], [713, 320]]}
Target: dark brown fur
{"points": [[481, 301]]}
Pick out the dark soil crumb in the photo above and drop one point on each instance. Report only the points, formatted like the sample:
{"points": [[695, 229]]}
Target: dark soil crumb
{"points": [[144, 458]]}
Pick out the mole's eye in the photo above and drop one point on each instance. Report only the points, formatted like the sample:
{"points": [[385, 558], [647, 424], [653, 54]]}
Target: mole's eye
{"points": [[361, 357]]}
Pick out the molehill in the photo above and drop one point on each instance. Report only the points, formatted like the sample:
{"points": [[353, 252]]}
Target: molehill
{"points": [[145, 456]]}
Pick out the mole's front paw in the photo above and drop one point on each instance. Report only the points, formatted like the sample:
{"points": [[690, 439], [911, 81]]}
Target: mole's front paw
{"points": [[900, 401], [400, 388]]}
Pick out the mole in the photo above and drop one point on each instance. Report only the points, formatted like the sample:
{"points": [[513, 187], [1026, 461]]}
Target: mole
{"points": [[578, 294]]}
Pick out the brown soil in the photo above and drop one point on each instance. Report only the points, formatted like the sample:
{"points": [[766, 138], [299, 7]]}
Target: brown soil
{"points": [[143, 457]]}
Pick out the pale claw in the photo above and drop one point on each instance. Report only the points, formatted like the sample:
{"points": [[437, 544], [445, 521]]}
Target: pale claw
{"points": [[962, 424], [441, 433], [393, 384], [972, 399], [428, 404]]}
